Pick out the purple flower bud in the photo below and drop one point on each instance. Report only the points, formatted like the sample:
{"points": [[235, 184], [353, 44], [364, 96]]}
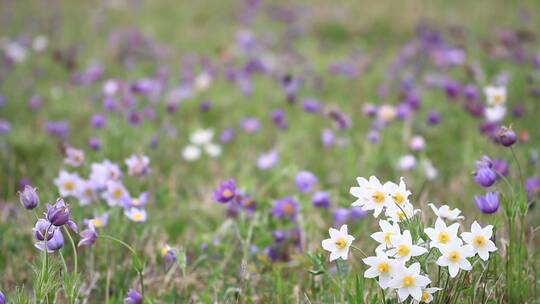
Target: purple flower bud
{"points": [[5, 126], [88, 236], [278, 117], [227, 135], [452, 88], [94, 143], [305, 181], [97, 121], [357, 213], [134, 118], [205, 106], [225, 191], [279, 235], [2, 298], [320, 199], [506, 136], [340, 216], [518, 110], [43, 229], [34, 102], [54, 244], [133, 297], [500, 166], [250, 124], [29, 198], [470, 92], [489, 203], [58, 214], [433, 117], [532, 185], [485, 176], [327, 138], [311, 105]]}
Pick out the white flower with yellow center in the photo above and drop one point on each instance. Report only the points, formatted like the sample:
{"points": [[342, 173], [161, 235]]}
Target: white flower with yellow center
{"points": [[446, 213], [398, 193], [495, 114], [382, 267], [454, 256], [136, 214], [74, 157], [191, 153], [495, 96], [86, 192], [403, 247], [67, 183], [338, 244], [201, 137], [400, 213], [409, 282], [114, 193], [442, 235], [370, 195], [427, 295], [479, 239], [383, 236]]}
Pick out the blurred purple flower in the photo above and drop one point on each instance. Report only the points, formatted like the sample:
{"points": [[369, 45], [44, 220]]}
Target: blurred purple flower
{"points": [[489, 203], [285, 207], [305, 181], [267, 160], [321, 199], [225, 191]]}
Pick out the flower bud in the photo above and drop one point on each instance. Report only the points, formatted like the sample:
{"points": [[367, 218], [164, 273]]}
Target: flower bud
{"points": [[506, 136], [28, 198]]}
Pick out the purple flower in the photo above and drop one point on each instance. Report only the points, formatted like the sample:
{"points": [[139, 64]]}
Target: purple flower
{"points": [[500, 166], [357, 213], [485, 176], [250, 124], [43, 229], [327, 138], [340, 216], [227, 135], [168, 254], [267, 160], [5, 126], [433, 117], [225, 191], [58, 214], [278, 117], [34, 102], [311, 105], [532, 185], [279, 235], [245, 201], [205, 106], [29, 198], [58, 128], [133, 297], [320, 199], [88, 236], [54, 244], [518, 110], [341, 120], [97, 121], [506, 136], [285, 207], [2, 298], [305, 181], [94, 143], [134, 118], [137, 202], [470, 92], [489, 203], [452, 88]]}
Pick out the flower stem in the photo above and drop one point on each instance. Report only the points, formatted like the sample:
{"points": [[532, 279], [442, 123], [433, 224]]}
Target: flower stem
{"points": [[75, 255]]}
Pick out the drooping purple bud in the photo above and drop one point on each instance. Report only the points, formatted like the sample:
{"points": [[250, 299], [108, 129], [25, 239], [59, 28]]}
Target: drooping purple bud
{"points": [[489, 203], [58, 214], [506, 136], [320, 199], [29, 198]]}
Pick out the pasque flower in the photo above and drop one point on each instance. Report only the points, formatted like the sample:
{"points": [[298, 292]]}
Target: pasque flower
{"points": [[485, 176], [43, 230], [88, 236], [446, 213], [382, 267], [409, 282], [59, 214], [479, 239], [403, 247], [506, 136], [441, 235], [29, 198], [286, 207], [305, 181], [454, 256], [55, 243], [338, 244], [225, 191], [133, 297], [488, 203]]}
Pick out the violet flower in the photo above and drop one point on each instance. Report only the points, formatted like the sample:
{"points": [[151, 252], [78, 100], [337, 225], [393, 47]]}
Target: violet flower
{"points": [[489, 203], [305, 181], [133, 297], [225, 191], [29, 198], [285, 207]]}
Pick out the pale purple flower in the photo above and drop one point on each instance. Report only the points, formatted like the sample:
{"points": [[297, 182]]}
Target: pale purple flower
{"points": [[250, 124], [305, 181], [267, 160], [285, 207], [489, 203]]}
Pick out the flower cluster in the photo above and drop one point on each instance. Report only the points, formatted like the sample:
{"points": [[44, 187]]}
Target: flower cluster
{"points": [[401, 261], [201, 140]]}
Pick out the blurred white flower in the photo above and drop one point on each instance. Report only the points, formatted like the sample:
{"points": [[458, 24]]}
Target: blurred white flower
{"points": [[191, 153]]}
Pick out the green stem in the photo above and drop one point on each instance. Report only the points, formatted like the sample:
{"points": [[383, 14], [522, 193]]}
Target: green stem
{"points": [[75, 255]]}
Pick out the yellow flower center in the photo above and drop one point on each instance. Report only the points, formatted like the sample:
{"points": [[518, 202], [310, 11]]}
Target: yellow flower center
{"points": [[137, 216], [69, 185], [398, 198], [226, 193], [498, 99], [165, 250], [444, 237], [479, 240], [135, 202], [117, 193], [98, 222], [401, 215], [341, 243], [387, 236], [88, 191], [383, 267], [378, 197], [454, 256], [425, 296], [408, 280], [403, 250], [288, 208]]}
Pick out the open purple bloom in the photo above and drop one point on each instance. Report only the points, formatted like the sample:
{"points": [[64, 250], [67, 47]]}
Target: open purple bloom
{"points": [[133, 297], [250, 124], [532, 185], [485, 175], [29, 198], [54, 244], [267, 160], [489, 203], [88, 236], [340, 216], [97, 121], [225, 191], [285, 207], [321, 199], [43, 230], [305, 181]]}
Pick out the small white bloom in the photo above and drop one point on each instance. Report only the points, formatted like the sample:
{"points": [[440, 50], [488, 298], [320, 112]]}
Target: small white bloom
{"points": [[103, 172], [110, 87], [400, 213], [383, 236], [430, 171], [136, 214], [407, 162], [201, 137], [427, 295], [454, 256], [495, 114], [446, 213], [191, 153], [74, 157], [40, 43], [386, 113], [409, 282], [371, 195], [398, 193], [114, 193], [338, 244], [417, 143], [495, 96], [479, 239], [442, 235], [213, 150], [381, 266], [203, 81], [403, 247], [67, 183]]}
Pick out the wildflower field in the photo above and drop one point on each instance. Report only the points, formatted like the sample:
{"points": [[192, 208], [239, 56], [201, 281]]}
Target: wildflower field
{"points": [[257, 151]]}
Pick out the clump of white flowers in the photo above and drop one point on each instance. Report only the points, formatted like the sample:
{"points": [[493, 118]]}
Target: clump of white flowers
{"points": [[407, 254], [201, 140]]}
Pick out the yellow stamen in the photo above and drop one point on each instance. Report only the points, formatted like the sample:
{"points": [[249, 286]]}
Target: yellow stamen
{"points": [[98, 223], [454, 256], [425, 296], [408, 280], [403, 250], [117, 193], [398, 198], [383, 267], [69, 185], [444, 237], [378, 197], [479, 240], [227, 193], [288, 208], [341, 243], [137, 216]]}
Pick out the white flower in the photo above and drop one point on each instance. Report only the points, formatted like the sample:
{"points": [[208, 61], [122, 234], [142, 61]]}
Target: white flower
{"points": [[403, 247], [110, 87], [386, 113], [495, 114], [383, 236], [479, 239], [201, 137], [114, 193], [400, 213], [409, 282], [446, 213], [455, 257], [371, 195], [213, 150], [430, 171], [203, 81], [442, 235], [407, 162], [40, 43], [74, 157], [136, 214], [67, 183], [381, 266], [495, 96], [417, 143], [86, 192], [427, 295], [103, 172], [137, 165], [398, 193], [191, 153], [338, 244]]}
